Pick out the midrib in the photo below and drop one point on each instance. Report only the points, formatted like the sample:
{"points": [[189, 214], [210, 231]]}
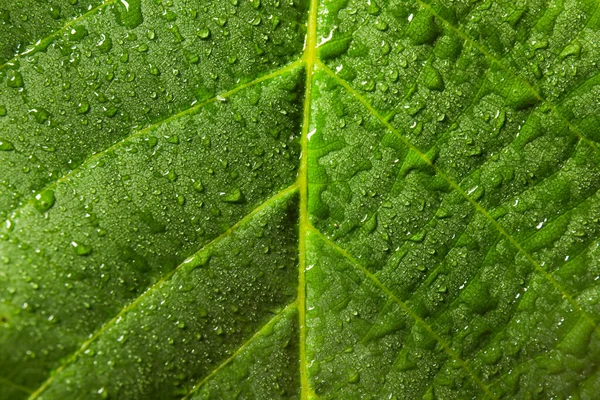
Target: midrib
{"points": [[309, 58]]}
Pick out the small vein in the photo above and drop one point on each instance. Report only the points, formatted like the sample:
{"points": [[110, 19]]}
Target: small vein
{"points": [[240, 350], [515, 195], [52, 35], [155, 125], [404, 306], [21, 388], [531, 360], [460, 190], [496, 60], [73, 357]]}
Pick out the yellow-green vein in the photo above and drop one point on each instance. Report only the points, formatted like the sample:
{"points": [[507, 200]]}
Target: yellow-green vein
{"points": [[404, 306], [309, 58], [156, 124], [241, 349], [69, 360], [461, 191], [497, 61], [41, 42]]}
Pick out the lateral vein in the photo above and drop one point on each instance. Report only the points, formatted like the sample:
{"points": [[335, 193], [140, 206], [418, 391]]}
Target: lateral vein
{"points": [[460, 190], [406, 308], [160, 282]]}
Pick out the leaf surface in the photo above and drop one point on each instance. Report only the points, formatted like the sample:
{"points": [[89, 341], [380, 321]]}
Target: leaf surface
{"points": [[299, 199]]}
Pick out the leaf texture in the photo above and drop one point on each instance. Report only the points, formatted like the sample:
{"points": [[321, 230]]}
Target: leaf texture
{"points": [[266, 199]]}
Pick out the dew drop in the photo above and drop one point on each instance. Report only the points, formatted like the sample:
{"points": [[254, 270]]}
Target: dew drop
{"points": [[54, 12], [203, 33], [44, 200], [77, 33], [198, 186], [15, 79], [40, 115], [83, 107], [129, 13], [81, 249], [232, 196], [105, 44], [5, 145]]}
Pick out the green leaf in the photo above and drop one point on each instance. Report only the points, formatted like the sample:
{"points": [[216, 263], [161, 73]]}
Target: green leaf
{"points": [[299, 199]]}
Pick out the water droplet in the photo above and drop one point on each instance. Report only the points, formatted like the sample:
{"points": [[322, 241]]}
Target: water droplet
{"points": [[203, 33], [370, 224], [198, 186], [573, 49], [40, 115], [152, 141], [15, 79], [129, 13], [354, 378], [44, 200], [55, 12], [432, 78], [77, 33], [197, 261], [380, 25], [83, 107], [105, 43], [373, 8], [173, 139], [422, 28], [81, 249], [232, 196], [5, 145], [111, 111], [417, 237]]}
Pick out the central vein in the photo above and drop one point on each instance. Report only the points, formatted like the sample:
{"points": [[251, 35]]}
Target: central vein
{"points": [[309, 57]]}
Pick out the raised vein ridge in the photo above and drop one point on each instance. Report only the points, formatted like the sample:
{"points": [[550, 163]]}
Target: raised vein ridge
{"points": [[73, 357]]}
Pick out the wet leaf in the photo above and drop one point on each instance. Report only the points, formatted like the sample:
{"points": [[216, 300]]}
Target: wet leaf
{"points": [[299, 199]]}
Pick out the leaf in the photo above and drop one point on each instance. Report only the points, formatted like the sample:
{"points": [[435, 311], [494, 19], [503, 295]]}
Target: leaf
{"points": [[299, 199]]}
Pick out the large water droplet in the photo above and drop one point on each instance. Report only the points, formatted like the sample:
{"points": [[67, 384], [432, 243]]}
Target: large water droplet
{"points": [[5, 145], [105, 44], [129, 13], [432, 78], [40, 115], [232, 196], [81, 249], [15, 79], [198, 186], [77, 33], [44, 200]]}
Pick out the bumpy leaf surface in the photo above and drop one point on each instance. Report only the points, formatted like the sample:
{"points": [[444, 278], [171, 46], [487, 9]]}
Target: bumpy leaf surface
{"points": [[336, 199]]}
